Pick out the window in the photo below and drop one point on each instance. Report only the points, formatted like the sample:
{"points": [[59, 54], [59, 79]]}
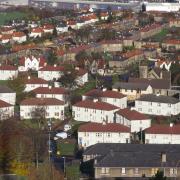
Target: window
{"points": [[159, 104], [149, 110], [123, 171], [114, 100], [108, 134], [173, 171], [154, 171], [150, 103], [169, 105], [139, 102], [139, 109], [105, 170], [56, 114], [136, 171]]}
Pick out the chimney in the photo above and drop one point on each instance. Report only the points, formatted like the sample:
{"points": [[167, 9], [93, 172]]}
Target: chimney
{"points": [[50, 87], [95, 161], [45, 64], [171, 124], [55, 65], [95, 100], [77, 68], [104, 123], [163, 157], [104, 89], [29, 77]]}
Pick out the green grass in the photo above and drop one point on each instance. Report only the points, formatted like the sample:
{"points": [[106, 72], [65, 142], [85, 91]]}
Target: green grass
{"points": [[87, 87], [8, 16], [160, 36], [73, 172], [66, 149], [3, 82]]}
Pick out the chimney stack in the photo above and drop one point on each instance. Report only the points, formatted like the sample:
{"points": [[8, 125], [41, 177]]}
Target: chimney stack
{"points": [[29, 77], [163, 157]]}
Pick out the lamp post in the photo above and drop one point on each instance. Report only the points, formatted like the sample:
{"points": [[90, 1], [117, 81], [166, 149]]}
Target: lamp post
{"points": [[64, 165], [49, 139]]}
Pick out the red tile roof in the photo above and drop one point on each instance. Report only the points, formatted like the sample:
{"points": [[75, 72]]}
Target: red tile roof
{"points": [[96, 105], [53, 90], [172, 41], [8, 68], [42, 101], [6, 36], [18, 34], [107, 93], [48, 27], [35, 80], [150, 27], [132, 115], [40, 59], [99, 127], [37, 30], [4, 104], [163, 129], [52, 68]]}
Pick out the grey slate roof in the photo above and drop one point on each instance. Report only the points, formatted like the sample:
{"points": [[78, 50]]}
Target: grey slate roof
{"points": [[159, 98], [130, 85], [5, 89]]}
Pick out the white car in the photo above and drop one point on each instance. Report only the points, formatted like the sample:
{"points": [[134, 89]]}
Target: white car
{"points": [[62, 135]]}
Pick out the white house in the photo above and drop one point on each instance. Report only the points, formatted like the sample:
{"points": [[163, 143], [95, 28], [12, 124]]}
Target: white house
{"points": [[31, 63], [163, 134], [62, 28], [7, 95], [36, 32], [82, 76], [8, 72], [157, 105], [42, 108], [134, 120], [92, 133], [48, 28], [50, 73], [111, 97], [32, 83], [6, 110], [19, 37], [52, 92], [94, 111], [6, 38]]}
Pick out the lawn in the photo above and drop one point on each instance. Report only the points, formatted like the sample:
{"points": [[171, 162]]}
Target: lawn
{"points": [[3, 82], [160, 36], [66, 149], [8, 16], [73, 172]]}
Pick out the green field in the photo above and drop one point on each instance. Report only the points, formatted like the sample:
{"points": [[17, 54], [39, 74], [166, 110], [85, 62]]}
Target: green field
{"points": [[7, 16], [66, 149]]}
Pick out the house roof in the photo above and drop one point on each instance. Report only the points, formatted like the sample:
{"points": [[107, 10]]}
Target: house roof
{"points": [[48, 90], [37, 30], [130, 85], [96, 105], [8, 68], [52, 68], [4, 104], [41, 60], [158, 99], [18, 34], [5, 89], [100, 127], [163, 129], [35, 80], [106, 93], [6, 36], [154, 83], [42, 102], [132, 114]]}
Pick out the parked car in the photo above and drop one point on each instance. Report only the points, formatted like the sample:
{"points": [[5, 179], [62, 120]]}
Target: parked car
{"points": [[62, 135], [67, 127]]}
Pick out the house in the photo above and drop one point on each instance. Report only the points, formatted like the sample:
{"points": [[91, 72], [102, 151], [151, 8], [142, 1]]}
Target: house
{"points": [[61, 28], [6, 38], [6, 110], [159, 86], [111, 97], [92, 133], [8, 72], [163, 134], [50, 73], [42, 108], [48, 28], [7, 30], [157, 105], [133, 161], [36, 32], [31, 63], [19, 37], [52, 92], [135, 120], [94, 111], [7, 95], [171, 44], [82, 76], [132, 90], [32, 83]]}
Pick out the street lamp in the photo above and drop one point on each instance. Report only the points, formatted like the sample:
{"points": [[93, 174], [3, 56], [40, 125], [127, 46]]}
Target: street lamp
{"points": [[64, 164], [49, 134]]}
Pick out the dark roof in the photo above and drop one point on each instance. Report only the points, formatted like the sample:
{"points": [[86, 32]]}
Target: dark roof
{"points": [[100, 127], [5, 89], [132, 114], [137, 159], [104, 148], [158, 98], [154, 83], [130, 85]]}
